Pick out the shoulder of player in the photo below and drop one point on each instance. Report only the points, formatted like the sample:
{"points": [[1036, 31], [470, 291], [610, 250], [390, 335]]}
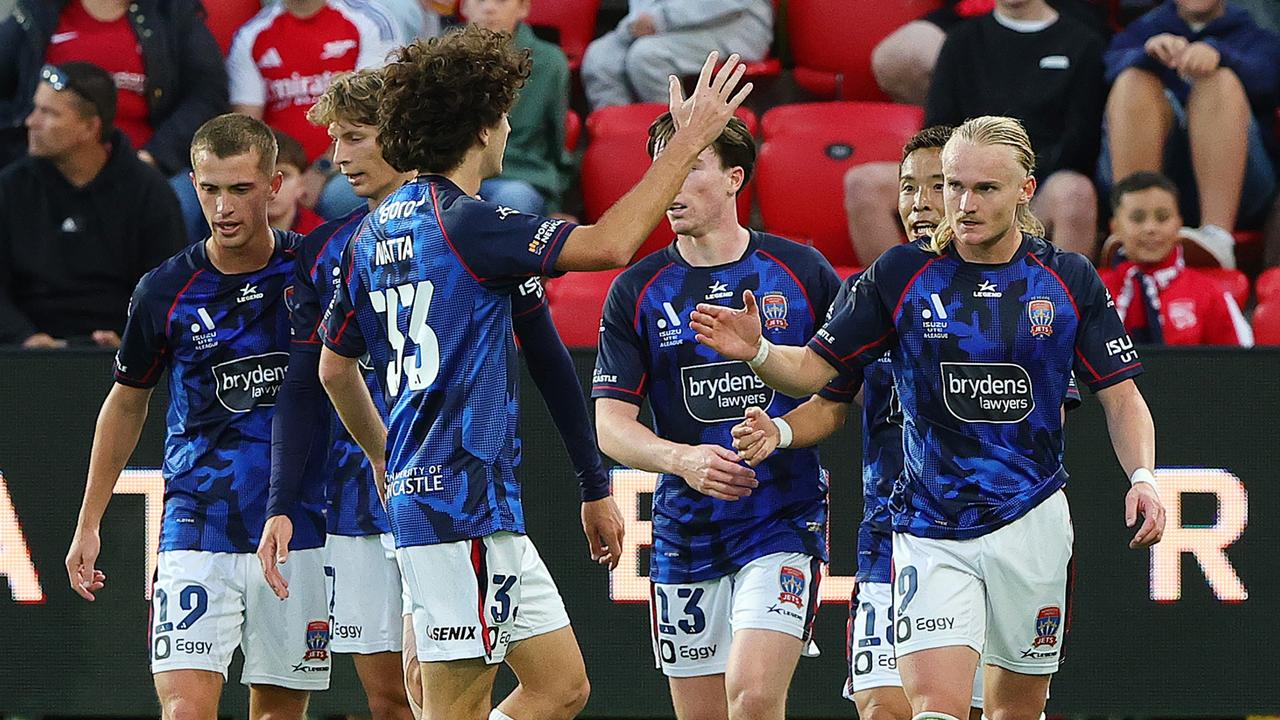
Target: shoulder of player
{"points": [[367, 14], [316, 240], [1072, 267], [632, 281], [254, 26], [794, 254], [899, 264], [166, 281]]}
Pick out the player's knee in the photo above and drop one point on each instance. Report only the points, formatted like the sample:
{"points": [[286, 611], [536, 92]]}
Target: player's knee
{"points": [[749, 701], [571, 697], [1034, 712], [1221, 84], [874, 708], [389, 705], [178, 708], [1136, 80]]}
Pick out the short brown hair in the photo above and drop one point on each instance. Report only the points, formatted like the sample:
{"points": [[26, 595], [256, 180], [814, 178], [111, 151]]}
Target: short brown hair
{"points": [[439, 94], [735, 147], [236, 134], [1139, 181], [351, 97], [289, 151], [930, 138]]}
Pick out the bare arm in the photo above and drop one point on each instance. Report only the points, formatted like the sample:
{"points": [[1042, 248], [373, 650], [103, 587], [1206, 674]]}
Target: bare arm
{"points": [[815, 420], [709, 469], [612, 241], [1133, 435], [345, 385], [114, 438]]}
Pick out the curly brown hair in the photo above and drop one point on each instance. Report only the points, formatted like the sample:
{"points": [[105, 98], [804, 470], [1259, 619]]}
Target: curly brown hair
{"points": [[438, 94]]}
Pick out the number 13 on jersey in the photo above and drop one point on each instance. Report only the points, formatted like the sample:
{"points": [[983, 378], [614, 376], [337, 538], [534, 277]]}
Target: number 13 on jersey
{"points": [[418, 365]]}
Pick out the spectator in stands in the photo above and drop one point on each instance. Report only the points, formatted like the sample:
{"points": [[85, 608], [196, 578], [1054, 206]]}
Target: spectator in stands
{"points": [[417, 18], [1023, 60], [661, 38], [536, 168], [1159, 298], [903, 62], [167, 68], [1194, 92], [282, 60], [285, 210], [81, 217]]}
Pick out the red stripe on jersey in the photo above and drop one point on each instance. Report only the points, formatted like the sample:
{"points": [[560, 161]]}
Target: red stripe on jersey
{"points": [[1067, 290], [638, 392], [435, 205], [803, 290], [635, 316], [481, 569], [168, 318], [893, 317]]}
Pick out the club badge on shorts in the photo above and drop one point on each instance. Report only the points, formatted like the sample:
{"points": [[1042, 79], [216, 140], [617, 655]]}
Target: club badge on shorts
{"points": [[774, 308], [317, 641], [1040, 311], [792, 583], [1047, 623]]}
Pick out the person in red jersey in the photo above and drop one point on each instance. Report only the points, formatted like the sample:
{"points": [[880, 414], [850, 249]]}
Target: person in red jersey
{"points": [[1160, 299], [286, 211]]}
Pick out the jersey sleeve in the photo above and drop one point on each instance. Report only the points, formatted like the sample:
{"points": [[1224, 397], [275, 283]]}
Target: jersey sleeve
{"points": [[144, 346], [845, 386], [621, 370], [305, 310], [1073, 399], [379, 35], [861, 328], [503, 247], [340, 330], [244, 80], [1105, 354], [1225, 324]]}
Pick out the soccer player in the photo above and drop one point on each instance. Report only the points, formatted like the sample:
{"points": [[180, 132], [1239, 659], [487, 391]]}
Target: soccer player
{"points": [[427, 293], [983, 326], [735, 570], [216, 316]]}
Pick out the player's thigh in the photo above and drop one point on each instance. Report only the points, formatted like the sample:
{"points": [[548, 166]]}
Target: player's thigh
{"points": [[197, 611], [383, 681], [701, 697], [1009, 695], [367, 595], [882, 703], [1027, 565], [550, 665], [286, 642], [411, 668], [691, 627], [457, 689], [272, 702], [189, 694]]}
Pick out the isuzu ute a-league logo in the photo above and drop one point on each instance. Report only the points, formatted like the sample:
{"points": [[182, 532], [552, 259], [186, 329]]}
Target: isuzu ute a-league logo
{"points": [[246, 383]]}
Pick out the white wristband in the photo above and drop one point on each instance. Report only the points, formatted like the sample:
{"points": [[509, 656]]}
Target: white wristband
{"points": [[762, 352], [1143, 475], [784, 433]]}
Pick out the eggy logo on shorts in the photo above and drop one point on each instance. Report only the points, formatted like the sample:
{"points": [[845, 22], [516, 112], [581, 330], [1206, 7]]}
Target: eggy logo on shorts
{"points": [[247, 382], [987, 392], [720, 391]]}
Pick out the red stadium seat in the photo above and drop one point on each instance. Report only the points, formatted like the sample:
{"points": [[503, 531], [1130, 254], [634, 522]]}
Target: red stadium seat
{"points": [[1266, 323], [615, 160], [572, 130], [832, 40], [806, 150], [574, 19], [1268, 286], [1233, 281], [577, 302], [226, 16]]}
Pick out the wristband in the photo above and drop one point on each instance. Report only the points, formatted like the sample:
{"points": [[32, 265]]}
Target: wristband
{"points": [[784, 433], [762, 352], [1143, 475]]}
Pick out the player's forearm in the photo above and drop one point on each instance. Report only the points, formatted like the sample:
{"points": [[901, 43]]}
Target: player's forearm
{"points": [[794, 370], [620, 232], [116, 435], [815, 420], [1133, 432], [629, 442], [350, 396]]}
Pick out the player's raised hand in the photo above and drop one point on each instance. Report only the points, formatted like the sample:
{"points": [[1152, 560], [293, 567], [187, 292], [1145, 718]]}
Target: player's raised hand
{"points": [[713, 101], [716, 472], [734, 334], [1143, 500], [273, 551], [602, 522], [85, 579], [756, 437]]}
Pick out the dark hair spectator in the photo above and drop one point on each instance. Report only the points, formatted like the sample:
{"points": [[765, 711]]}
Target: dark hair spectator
{"points": [[285, 210]]}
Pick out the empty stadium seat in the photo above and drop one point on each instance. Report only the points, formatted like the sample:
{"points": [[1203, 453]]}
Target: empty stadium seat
{"points": [[572, 130], [577, 302], [575, 20], [615, 160], [1233, 281], [224, 18], [831, 42], [1266, 323], [803, 158], [1268, 286]]}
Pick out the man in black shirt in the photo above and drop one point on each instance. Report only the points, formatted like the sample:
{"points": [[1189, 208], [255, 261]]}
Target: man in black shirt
{"points": [[81, 217], [1024, 60]]}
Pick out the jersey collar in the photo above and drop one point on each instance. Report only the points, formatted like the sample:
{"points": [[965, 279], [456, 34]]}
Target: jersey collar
{"points": [[753, 243]]}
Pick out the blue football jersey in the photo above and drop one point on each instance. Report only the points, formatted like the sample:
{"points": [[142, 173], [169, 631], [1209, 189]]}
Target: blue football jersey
{"points": [[353, 505], [427, 294], [982, 359], [697, 396], [225, 340]]}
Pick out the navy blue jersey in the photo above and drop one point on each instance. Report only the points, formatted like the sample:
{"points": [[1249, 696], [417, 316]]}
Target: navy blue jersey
{"points": [[427, 294], [697, 396], [982, 358], [353, 505], [225, 340]]}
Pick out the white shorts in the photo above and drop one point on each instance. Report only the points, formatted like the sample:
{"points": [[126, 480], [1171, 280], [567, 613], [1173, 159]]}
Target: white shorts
{"points": [[206, 604], [870, 652], [366, 594], [474, 598], [692, 624], [1003, 594]]}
